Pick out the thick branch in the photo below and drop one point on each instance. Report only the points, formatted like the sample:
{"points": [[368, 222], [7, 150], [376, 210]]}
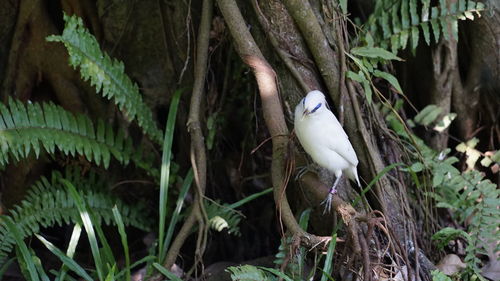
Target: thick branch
{"points": [[272, 110], [324, 56]]}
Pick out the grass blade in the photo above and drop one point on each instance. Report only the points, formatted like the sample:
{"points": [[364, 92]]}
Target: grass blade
{"points": [[327, 268], [39, 267], [25, 254], [69, 262], [276, 272], [250, 198], [374, 180], [143, 260], [123, 236], [186, 184], [70, 252], [5, 266], [165, 171], [88, 225], [165, 272]]}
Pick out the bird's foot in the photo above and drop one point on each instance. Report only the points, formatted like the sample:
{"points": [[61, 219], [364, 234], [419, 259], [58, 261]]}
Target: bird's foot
{"points": [[302, 170], [328, 201]]}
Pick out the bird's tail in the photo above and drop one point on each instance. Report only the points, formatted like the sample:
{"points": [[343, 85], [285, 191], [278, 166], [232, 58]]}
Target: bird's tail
{"points": [[352, 173]]}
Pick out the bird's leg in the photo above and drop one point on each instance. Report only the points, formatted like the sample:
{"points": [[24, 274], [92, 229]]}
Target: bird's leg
{"points": [[328, 200]]}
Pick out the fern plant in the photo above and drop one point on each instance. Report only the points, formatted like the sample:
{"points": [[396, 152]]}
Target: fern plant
{"points": [[48, 204], [31, 127], [106, 74], [222, 217], [394, 22], [472, 199]]}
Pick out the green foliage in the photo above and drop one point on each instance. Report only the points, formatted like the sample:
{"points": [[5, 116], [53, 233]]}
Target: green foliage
{"points": [[31, 127], [394, 23], [48, 204], [165, 168], [439, 276], [367, 59], [248, 273], [166, 272], [472, 199], [447, 234], [106, 74], [222, 217]]}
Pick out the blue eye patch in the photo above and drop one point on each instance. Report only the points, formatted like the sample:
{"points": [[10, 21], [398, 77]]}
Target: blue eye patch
{"points": [[316, 107]]}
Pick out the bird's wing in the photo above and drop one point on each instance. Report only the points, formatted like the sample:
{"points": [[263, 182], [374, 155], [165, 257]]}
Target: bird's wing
{"points": [[338, 140]]}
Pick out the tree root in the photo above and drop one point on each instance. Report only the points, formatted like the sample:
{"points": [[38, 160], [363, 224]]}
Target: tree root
{"points": [[198, 152]]}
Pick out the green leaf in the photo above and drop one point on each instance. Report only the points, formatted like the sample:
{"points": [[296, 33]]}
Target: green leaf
{"points": [[165, 170], [417, 167], [25, 253], [88, 225], [439, 276], [67, 261], [276, 272], [445, 122], [368, 91], [186, 184], [166, 272], [123, 237], [343, 6], [359, 77], [106, 74], [496, 156], [328, 264], [247, 273], [374, 52], [428, 115], [389, 78]]}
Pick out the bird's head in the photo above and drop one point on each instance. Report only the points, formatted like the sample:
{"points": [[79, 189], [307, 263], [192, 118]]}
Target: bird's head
{"points": [[313, 103]]}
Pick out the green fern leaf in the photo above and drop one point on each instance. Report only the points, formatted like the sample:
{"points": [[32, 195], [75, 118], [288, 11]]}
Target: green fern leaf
{"points": [[392, 23], [48, 204], [248, 273], [222, 217], [106, 74], [48, 126]]}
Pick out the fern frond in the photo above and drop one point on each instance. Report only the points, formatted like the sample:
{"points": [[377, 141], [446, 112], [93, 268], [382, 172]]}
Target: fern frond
{"points": [[48, 204], [393, 23], [248, 273], [106, 74], [33, 127], [223, 216]]}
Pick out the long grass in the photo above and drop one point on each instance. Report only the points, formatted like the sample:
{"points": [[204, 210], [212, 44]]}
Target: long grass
{"points": [[165, 172]]}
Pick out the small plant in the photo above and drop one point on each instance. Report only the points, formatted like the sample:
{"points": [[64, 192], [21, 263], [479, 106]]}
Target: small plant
{"points": [[472, 199], [394, 23]]}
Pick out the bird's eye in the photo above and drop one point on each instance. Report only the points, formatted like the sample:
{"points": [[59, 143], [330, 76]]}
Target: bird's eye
{"points": [[304, 102], [316, 107]]}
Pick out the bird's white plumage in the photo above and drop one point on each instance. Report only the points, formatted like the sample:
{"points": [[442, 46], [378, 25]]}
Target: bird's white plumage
{"points": [[323, 138]]}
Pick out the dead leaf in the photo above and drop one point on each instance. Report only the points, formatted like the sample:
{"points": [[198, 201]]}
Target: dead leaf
{"points": [[451, 264]]}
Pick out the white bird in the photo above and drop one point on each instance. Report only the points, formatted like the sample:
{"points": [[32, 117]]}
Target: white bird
{"points": [[324, 139]]}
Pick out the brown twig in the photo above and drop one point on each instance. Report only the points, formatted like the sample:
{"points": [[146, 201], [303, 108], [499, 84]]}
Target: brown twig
{"points": [[198, 153]]}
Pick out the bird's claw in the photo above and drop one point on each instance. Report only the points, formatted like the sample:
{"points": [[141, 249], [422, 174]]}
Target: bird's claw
{"points": [[328, 203]]}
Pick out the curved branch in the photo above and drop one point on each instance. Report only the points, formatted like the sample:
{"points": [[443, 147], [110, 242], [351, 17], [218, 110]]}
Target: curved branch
{"points": [[285, 57], [198, 159], [271, 105], [275, 121], [303, 15]]}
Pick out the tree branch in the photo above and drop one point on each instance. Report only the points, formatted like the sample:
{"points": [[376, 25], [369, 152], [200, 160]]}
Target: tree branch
{"points": [[198, 153]]}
